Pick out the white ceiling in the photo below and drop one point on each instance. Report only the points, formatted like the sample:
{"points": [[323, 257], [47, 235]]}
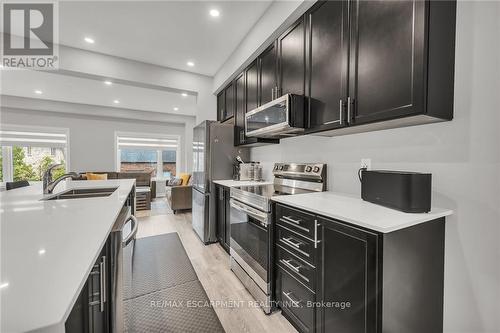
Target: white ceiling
{"points": [[166, 33], [64, 88]]}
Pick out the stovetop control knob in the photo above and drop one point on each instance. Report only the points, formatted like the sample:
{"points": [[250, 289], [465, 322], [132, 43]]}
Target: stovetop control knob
{"points": [[316, 169], [308, 168], [281, 167]]}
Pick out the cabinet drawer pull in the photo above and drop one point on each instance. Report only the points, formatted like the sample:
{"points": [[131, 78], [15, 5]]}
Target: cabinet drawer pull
{"points": [[288, 218], [94, 303], [294, 302], [289, 265], [291, 241], [294, 224]]}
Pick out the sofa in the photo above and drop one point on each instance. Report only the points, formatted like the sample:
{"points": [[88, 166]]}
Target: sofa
{"points": [[179, 196], [142, 183]]}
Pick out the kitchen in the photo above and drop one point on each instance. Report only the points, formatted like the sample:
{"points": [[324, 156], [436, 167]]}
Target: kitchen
{"points": [[432, 269]]}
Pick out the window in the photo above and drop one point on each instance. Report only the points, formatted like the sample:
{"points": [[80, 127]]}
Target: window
{"points": [[26, 153], [147, 153]]}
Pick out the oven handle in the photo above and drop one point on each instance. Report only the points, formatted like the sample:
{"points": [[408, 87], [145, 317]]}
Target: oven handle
{"points": [[250, 211]]}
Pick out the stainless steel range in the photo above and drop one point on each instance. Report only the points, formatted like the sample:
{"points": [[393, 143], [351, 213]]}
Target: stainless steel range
{"points": [[251, 218]]}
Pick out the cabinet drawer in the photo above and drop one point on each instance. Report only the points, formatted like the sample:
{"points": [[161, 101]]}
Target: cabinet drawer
{"points": [[294, 298], [296, 220], [295, 243], [301, 270]]}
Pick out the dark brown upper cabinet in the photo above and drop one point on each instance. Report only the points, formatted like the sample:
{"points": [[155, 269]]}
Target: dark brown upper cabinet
{"points": [[362, 65], [251, 86], [221, 105], [387, 59], [267, 74], [229, 93], [384, 62], [226, 103], [401, 61], [327, 64], [239, 112], [291, 60]]}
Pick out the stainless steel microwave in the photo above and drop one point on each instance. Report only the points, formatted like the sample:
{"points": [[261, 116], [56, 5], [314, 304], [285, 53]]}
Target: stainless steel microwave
{"points": [[281, 117]]}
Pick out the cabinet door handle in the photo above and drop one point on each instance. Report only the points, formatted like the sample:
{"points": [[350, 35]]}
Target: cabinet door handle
{"points": [[349, 102], [341, 104], [104, 279], [316, 241], [295, 303], [101, 286]]}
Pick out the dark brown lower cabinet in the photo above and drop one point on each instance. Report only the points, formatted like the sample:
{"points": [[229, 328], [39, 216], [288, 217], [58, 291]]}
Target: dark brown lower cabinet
{"points": [[347, 275], [351, 279], [92, 311], [223, 216]]}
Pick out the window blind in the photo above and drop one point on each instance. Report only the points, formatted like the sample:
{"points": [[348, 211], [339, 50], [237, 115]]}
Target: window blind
{"points": [[124, 142], [24, 138]]}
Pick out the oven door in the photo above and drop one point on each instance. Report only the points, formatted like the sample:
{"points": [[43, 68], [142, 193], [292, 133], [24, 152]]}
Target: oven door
{"points": [[250, 241]]}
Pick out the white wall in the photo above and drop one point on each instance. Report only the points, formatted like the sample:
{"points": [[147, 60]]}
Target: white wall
{"points": [[92, 139], [464, 158]]}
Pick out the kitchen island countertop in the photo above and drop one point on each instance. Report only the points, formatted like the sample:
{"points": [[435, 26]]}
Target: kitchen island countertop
{"points": [[48, 248]]}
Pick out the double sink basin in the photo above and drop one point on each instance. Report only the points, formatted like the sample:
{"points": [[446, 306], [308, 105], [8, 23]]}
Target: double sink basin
{"points": [[80, 193]]}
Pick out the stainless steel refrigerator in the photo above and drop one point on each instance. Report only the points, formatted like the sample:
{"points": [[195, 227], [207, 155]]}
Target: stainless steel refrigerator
{"points": [[214, 154]]}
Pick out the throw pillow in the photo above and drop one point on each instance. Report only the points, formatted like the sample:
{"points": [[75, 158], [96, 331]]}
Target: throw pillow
{"points": [[185, 178], [96, 176]]}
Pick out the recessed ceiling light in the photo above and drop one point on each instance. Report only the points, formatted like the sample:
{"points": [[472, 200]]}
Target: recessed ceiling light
{"points": [[190, 64], [108, 83], [184, 94], [41, 251], [116, 101], [176, 109], [38, 92], [214, 13], [89, 40], [4, 285]]}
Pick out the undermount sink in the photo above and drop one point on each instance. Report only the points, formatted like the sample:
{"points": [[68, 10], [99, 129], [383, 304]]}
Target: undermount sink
{"points": [[80, 193]]}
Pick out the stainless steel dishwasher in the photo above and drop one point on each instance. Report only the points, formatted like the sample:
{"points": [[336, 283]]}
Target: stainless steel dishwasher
{"points": [[99, 306], [119, 238]]}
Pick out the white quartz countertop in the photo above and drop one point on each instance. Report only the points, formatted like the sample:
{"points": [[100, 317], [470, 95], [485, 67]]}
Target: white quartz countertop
{"points": [[352, 209], [48, 249], [234, 183]]}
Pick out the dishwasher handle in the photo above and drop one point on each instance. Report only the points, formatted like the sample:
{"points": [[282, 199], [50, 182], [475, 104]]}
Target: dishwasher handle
{"points": [[133, 232]]}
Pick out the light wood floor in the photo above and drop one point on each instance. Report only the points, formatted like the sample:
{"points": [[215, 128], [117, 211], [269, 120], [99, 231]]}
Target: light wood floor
{"points": [[211, 263]]}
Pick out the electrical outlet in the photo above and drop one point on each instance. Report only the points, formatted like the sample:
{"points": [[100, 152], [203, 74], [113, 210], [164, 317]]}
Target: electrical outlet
{"points": [[366, 163]]}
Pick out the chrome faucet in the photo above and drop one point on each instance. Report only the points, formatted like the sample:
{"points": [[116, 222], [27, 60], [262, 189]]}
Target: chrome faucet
{"points": [[49, 184]]}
